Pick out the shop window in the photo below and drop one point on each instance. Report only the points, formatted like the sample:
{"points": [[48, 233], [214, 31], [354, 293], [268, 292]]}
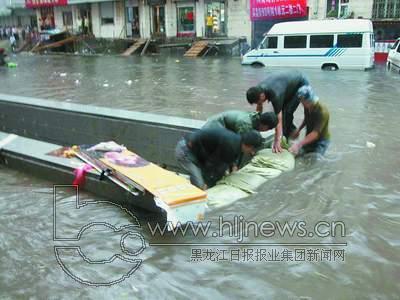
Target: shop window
{"points": [[299, 41], [215, 19], [46, 18], [321, 41], [270, 42], [185, 19], [107, 12], [349, 41]]}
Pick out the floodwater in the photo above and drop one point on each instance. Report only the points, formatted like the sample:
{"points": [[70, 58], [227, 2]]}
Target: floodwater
{"points": [[357, 184]]}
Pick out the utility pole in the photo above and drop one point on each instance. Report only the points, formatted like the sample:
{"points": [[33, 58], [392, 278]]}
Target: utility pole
{"points": [[339, 7]]}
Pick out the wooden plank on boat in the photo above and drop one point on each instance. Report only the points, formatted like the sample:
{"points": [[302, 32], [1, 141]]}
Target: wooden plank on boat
{"points": [[132, 49], [68, 40], [133, 172], [37, 45], [197, 49], [145, 47], [23, 46], [167, 186]]}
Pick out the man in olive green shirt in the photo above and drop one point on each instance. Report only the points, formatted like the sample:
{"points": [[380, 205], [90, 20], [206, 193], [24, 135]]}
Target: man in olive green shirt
{"points": [[242, 121], [316, 121]]}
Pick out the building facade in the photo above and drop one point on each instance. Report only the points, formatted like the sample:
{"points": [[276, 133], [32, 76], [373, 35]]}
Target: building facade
{"points": [[136, 18], [187, 18], [14, 13], [322, 9], [385, 14]]}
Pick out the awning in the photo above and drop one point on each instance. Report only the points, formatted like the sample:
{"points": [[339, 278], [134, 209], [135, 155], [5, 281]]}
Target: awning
{"points": [[70, 2], [5, 12], [44, 3], [156, 2]]}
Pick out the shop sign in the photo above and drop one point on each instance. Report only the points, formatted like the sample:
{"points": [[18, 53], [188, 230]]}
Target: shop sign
{"points": [[44, 3], [277, 9]]}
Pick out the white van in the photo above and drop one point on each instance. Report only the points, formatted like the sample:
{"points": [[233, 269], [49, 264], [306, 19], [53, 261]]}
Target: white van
{"points": [[393, 60], [327, 44]]}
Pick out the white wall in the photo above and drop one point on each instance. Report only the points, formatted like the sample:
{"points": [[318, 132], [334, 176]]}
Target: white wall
{"points": [[170, 19], [238, 16], [144, 18], [95, 11], [119, 19], [361, 8], [58, 18], [317, 9], [200, 18], [115, 30]]}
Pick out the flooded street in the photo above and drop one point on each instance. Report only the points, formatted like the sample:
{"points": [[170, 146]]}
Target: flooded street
{"points": [[357, 184]]}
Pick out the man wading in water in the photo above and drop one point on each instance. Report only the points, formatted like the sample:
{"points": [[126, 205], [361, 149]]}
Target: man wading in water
{"points": [[207, 154], [242, 121], [2, 57], [316, 121], [280, 89]]}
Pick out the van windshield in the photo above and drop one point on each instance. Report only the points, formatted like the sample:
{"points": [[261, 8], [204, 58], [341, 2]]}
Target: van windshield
{"points": [[269, 42], [395, 44]]}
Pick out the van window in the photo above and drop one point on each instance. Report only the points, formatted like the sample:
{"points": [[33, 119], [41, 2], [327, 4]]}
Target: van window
{"points": [[299, 41], [321, 41], [398, 49], [270, 42], [395, 44], [349, 41]]}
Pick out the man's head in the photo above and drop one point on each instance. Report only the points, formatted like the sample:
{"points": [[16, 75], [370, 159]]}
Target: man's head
{"points": [[1, 50], [250, 141], [267, 121], [307, 96], [256, 95]]}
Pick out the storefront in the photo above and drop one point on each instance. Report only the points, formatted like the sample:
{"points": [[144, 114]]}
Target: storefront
{"points": [[185, 19], [157, 11], [132, 18], [45, 11], [215, 15]]}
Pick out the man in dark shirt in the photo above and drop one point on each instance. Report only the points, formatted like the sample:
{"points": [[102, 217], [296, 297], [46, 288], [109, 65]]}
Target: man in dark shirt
{"points": [[207, 154], [316, 121], [280, 89], [242, 121], [2, 57]]}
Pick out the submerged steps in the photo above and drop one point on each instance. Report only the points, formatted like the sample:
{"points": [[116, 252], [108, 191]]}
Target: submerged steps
{"points": [[136, 46], [197, 49]]}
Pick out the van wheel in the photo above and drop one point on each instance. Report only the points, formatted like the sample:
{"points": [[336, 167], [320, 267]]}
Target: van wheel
{"points": [[330, 67], [389, 66], [257, 65]]}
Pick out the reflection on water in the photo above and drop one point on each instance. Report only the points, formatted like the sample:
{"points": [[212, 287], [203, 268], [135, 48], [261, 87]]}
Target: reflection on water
{"points": [[355, 184]]}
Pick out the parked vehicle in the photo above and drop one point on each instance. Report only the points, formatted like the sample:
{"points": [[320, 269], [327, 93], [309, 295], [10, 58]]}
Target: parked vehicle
{"points": [[327, 44], [393, 61]]}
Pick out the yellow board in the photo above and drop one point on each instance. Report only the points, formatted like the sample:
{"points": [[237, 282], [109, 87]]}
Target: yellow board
{"points": [[167, 186]]}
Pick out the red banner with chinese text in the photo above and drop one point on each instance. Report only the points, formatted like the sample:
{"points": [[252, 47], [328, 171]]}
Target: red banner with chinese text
{"points": [[277, 9], [44, 3]]}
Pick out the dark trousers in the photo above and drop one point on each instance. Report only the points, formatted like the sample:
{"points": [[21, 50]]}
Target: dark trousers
{"points": [[287, 117], [208, 172], [289, 109]]}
